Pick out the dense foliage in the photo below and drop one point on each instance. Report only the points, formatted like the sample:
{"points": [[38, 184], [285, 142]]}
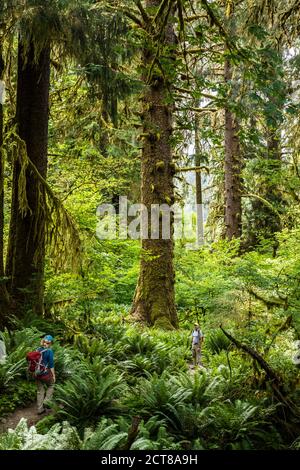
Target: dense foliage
{"points": [[187, 102]]}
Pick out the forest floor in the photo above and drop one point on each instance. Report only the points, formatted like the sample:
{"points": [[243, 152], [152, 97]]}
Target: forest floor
{"points": [[29, 413]]}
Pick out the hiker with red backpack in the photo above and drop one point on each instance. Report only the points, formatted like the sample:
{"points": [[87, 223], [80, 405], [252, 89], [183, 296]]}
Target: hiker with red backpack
{"points": [[41, 367]]}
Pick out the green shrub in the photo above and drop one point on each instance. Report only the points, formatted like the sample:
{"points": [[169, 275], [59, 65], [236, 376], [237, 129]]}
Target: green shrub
{"points": [[65, 359], [216, 342], [200, 386], [107, 436], [44, 425], [59, 437], [153, 435], [238, 425], [10, 372], [159, 396], [91, 392], [18, 394], [18, 342]]}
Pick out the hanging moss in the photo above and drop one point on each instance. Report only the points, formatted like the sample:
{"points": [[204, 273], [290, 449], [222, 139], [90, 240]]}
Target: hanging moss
{"points": [[61, 233]]}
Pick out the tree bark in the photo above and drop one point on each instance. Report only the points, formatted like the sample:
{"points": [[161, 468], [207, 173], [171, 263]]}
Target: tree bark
{"points": [[27, 231], [232, 169], [154, 301]]}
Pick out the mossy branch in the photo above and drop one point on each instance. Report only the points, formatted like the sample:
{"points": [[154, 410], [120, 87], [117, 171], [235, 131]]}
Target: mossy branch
{"points": [[197, 169], [160, 11], [143, 12], [268, 302], [264, 201]]}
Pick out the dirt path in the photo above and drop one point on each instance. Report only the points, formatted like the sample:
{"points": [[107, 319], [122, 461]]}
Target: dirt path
{"points": [[28, 413]]}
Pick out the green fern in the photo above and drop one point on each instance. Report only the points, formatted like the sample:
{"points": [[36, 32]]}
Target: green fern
{"points": [[201, 387], [10, 371], [92, 392], [106, 436], [237, 425], [216, 342]]}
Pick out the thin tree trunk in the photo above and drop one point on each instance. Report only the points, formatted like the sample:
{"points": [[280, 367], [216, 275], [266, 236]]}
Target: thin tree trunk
{"points": [[27, 246], [232, 169], [154, 301], [4, 298], [12, 227], [199, 199]]}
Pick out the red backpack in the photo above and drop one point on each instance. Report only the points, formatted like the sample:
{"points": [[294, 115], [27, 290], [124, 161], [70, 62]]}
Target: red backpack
{"points": [[35, 366]]}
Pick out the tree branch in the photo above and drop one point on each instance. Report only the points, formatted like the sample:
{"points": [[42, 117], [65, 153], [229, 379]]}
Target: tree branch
{"points": [[160, 10], [198, 110], [255, 355], [267, 203], [143, 12], [268, 302], [193, 168], [275, 380]]}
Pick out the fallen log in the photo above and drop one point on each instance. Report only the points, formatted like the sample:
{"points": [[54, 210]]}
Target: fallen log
{"points": [[274, 379]]}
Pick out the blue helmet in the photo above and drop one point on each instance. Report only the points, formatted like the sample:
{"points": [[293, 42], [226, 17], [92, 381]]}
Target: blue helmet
{"points": [[48, 338]]}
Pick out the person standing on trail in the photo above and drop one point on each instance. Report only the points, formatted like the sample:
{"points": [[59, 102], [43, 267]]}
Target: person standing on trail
{"points": [[197, 340], [46, 380]]}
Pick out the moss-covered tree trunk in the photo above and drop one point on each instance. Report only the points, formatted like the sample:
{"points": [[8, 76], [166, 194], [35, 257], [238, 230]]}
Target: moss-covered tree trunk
{"points": [[4, 298], [232, 163], [232, 169], [27, 243], [154, 301]]}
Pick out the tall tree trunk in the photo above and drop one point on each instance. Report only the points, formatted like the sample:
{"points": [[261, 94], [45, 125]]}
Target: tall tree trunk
{"points": [[232, 163], [4, 298], [154, 301], [199, 199], [232, 169], [27, 246]]}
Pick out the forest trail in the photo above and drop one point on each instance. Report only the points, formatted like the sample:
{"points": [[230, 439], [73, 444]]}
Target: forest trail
{"points": [[29, 413]]}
